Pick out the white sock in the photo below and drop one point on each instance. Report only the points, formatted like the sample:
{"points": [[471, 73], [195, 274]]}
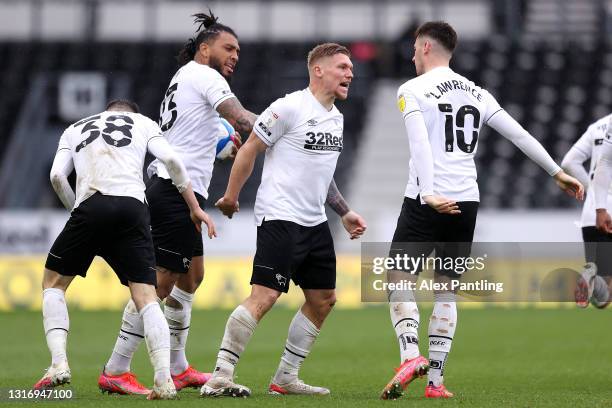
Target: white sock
{"points": [[301, 337], [601, 293], [238, 331], [437, 361], [56, 324], [130, 336], [157, 337], [442, 325], [178, 322], [405, 320]]}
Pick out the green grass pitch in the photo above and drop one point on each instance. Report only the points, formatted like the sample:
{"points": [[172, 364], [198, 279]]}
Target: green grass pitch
{"points": [[500, 358]]}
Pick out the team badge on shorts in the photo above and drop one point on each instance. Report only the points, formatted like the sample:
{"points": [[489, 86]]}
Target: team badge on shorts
{"points": [[282, 281]]}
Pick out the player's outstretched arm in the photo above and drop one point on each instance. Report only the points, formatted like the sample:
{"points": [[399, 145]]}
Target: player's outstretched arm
{"points": [[601, 186], [60, 170], [158, 146], [354, 223], [241, 119], [503, 123], [241, 170]]}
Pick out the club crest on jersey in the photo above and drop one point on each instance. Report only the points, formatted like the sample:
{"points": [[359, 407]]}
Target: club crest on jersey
{"points": [[271, 120], [401, 103], [324, 141]]}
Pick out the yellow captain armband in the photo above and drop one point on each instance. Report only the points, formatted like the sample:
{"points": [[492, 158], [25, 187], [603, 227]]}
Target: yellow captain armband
{"points": [[401, 103]]}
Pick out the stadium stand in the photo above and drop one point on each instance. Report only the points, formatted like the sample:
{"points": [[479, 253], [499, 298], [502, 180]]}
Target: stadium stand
{"points": [[554, 89]]}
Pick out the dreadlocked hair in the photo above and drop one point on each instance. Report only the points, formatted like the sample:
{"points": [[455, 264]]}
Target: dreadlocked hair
{"points": [[208, 30]]}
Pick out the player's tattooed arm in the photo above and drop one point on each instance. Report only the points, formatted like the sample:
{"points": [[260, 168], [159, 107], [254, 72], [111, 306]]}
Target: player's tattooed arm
{"points": [[336, 201], [241, 119]]}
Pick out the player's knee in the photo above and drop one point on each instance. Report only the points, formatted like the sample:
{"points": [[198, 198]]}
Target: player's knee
{"points": [[323, 304], [264, 298], [196, 281], [143, 297], [163, 290], [53, 280], [194, 277], [190, 283], [331, 300], [268, 299], [173, 303], [165, 282]]}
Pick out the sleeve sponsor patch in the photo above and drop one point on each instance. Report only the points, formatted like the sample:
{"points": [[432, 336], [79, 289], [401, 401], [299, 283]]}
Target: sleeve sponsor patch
{"points": [[401, 103]]}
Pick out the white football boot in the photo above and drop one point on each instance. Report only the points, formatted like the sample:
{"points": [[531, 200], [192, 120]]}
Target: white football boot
{"points": [[296, 387], [54, 376], [164, 391], [223, 387]]}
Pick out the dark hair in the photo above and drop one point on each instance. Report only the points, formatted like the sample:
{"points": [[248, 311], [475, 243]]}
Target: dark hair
{"points": [[211, 31], [124, 103], [440, 31], [326, 50]]}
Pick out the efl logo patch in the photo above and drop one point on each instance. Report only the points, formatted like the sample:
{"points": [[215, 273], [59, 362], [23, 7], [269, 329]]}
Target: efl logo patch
{"points": [[401, 103]]}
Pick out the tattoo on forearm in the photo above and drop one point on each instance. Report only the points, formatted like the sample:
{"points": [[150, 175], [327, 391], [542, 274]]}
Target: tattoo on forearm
{"points": [[335, 200], [240, 118]]}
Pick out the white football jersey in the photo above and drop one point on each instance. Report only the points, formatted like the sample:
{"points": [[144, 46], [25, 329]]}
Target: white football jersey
{"points": [[454, 110], [589, 146], [190, 122], [305, 141], [108, 151]]}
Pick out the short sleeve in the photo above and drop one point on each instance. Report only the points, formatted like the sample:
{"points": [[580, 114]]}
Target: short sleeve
{"points": [[274, 122], [407, 102], [584, 144], [64, 144], [215, 89], [153, 130], [492, 106]]}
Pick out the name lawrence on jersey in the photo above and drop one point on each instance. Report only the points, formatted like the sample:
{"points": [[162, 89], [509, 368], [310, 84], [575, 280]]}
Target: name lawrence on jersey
{"points": [[452, 85]]}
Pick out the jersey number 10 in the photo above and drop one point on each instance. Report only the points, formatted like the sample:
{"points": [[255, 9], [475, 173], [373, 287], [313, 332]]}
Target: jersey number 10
{"points": [[450, 132]]}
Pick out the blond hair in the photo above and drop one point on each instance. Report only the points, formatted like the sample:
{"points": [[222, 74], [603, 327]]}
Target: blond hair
{"points": [[326, 50]]}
